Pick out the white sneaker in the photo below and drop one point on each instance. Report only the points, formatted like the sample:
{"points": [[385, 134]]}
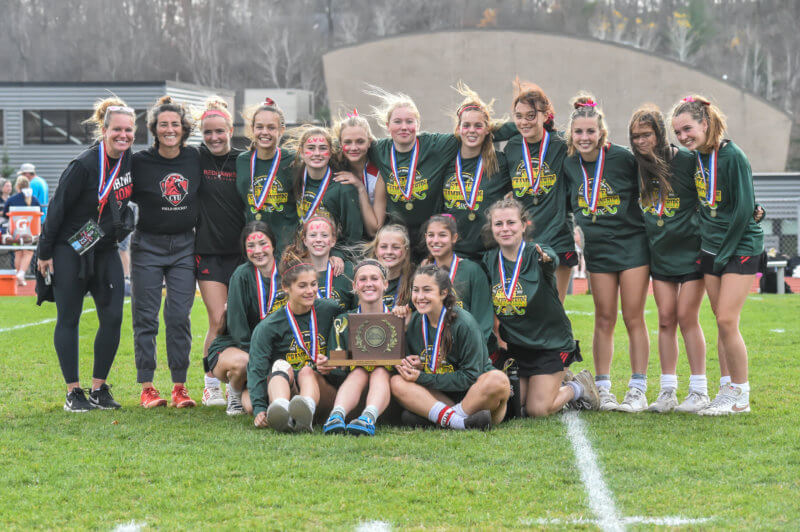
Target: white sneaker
{"points": [[21, 279], [213, 397], [300, 411], [635, 401], [278, 417], [729, 401], [693, 403], [608, 401], [235, 407], [666, 401]]}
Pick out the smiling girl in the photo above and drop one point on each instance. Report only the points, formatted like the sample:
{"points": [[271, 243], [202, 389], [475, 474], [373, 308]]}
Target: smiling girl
{"points": [[391, 248]]}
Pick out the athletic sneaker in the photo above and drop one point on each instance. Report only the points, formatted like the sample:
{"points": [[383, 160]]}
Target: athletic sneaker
{"points": [[301, 413], [150, 398], [591, 395], [180, 397], [635, 401], [76, 401], [362, 426], [666, 401], [480, 420], [410, 419], [101, 398], [334, 425], [212, 396], [693, 403], [278, 417], [608, 401], [234, 406], [729, 401]]}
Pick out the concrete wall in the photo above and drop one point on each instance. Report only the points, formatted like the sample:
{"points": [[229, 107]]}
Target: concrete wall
{"points": [[425, 66]]}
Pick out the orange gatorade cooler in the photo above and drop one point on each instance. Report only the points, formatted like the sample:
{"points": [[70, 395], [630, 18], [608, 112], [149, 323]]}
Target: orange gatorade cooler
{"points": [[8, 283], [24, 221]]}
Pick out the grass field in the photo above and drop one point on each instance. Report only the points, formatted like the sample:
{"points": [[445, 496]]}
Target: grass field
{"points": [[193, 469]]}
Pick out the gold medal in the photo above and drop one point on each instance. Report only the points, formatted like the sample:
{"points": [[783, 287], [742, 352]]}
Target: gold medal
{"points": [[258, 216], [713, 213], [660, 222], [594, 218], [409, 206], [471, 215]]}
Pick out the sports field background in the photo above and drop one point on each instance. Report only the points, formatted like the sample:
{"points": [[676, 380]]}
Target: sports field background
{"points": [[198, 468]]}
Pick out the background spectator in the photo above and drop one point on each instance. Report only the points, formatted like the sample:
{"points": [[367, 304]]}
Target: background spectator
{"points": [[38, 185]]}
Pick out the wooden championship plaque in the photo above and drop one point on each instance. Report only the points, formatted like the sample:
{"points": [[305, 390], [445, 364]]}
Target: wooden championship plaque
{"points": [[373, 340]]}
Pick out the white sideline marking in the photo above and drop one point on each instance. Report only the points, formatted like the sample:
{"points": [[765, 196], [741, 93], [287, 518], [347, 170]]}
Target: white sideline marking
{"points": [[133, 526], [778, 330], [51, 320], [637, 520], [600, 498], [579, 312], [374, 526]]}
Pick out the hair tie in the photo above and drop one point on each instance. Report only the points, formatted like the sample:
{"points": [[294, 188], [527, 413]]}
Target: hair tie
{"points": [[269, 101], [448, 215], [353, 114], [550, 117], [472, 106], [590, 103], [297, 266], [213, 112]]}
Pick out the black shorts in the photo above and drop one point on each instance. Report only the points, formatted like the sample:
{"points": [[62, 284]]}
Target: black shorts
{"points": [[217, 268], [677, 279], [568, 258], [740, 264], [532, 362]]}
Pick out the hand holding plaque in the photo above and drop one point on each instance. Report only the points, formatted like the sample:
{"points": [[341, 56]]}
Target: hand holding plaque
{"points": [[374, 340]]}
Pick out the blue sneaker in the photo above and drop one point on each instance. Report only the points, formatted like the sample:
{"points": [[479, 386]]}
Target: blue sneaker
{"points": [[361, 427], [334, 425]]}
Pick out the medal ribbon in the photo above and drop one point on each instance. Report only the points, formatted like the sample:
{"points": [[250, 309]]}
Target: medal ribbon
{"points": [[328, 282], [596, 180], [433, 363], [509, 292], [323, 187], [412, 171], [453, 267], [476, 182], [273, 172], [526, 155], [265, 303], [711, 182], [104, 184], [660, 205], [313, 350]]}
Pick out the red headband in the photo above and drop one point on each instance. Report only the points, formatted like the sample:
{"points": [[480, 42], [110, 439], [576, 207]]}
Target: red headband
{"points": [[590, 103], [213, 112], [298, 265], [692, 99], [468, 107]]}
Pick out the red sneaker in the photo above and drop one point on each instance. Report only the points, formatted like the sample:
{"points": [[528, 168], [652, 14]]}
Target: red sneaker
{"points": [[150, 398], [180, 397]]}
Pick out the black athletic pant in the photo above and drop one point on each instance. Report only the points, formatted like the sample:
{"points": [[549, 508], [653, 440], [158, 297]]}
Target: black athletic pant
{"points": [[107, 286]]}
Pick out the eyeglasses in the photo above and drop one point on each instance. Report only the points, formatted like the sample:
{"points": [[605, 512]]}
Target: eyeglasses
{"points": [[530, 117]]}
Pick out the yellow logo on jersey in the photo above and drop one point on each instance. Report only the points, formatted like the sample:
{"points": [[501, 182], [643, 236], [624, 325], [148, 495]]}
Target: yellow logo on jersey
{"points": [[504, 307], [700, 185], [453, 199], [298, 358], [672, 205], [308, 199], [607, 203], [522, 185], [419, 191], [443, 368], [276, 198]]}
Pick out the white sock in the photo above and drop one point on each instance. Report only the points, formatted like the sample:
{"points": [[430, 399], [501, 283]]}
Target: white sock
{"points": [[446, 416], [638, 381], [669, 382], [459, 410], [312, 405], [577, 389], [371, 411], [233, 391], [211, 382], [283, 403], [724, 380], [745, 386], [603, 381], [698, 384]]}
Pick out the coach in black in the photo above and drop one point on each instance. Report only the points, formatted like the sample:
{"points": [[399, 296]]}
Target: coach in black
{"points": [[166, 180]]}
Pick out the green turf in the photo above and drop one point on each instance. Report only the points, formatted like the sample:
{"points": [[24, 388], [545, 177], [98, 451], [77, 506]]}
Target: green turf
{"points": [[197, 468]]}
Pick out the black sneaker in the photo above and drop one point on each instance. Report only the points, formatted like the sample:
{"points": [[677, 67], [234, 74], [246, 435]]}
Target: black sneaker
{"points": [[101, 398], [77, 402], [410, 419], [480, 420]]}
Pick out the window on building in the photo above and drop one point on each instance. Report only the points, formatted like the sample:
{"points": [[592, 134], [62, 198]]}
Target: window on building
{"points": [[65, 126]]}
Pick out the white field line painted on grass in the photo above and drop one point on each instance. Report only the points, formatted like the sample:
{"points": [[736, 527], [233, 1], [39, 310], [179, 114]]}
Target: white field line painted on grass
{"points": [[600, 498], [374, 526], [778, 330], [637, 520], [133, 526], [50, 320]]}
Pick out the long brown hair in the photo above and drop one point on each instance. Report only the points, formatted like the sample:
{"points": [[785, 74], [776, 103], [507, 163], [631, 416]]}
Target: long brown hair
{"points": [[473, 102], [442, 279], [533, 95], [298, 248], [701, 108], [404, 290], [654, 169], [508, 202]]}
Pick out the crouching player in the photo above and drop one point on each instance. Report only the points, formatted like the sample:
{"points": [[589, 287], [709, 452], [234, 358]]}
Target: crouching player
{"points": [[448, 378]]}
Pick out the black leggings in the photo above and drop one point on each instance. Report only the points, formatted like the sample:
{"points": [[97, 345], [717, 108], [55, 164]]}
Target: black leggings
{"points": [[69, 292]]}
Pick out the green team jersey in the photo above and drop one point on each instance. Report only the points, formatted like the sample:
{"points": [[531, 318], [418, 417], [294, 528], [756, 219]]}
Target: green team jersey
{"points": [[460, 367], [273, 339], [470, 222], [392, 292], [279, 210], [340, 203], [547, 208], [243, 312], [534, 317], [728, 228], [614, 235], [435, 152], [472, 290], [674, 235], [342, 290]]}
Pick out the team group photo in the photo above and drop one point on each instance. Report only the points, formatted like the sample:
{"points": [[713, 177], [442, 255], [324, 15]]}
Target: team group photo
{"points": [[493, 293]]}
